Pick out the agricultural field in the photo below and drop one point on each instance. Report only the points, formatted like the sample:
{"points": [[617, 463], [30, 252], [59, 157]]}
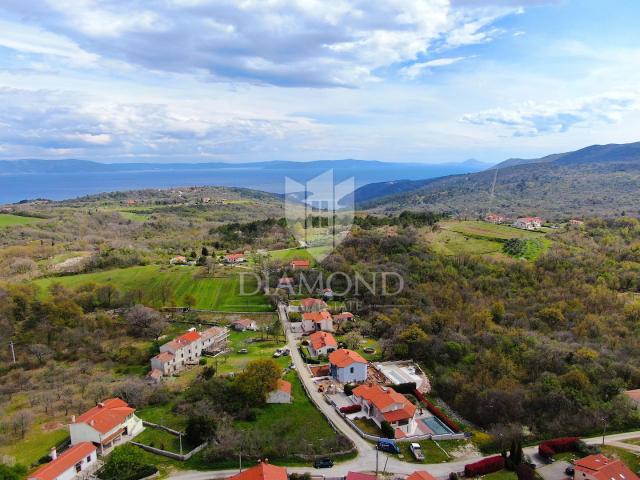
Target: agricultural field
{"points": [[8, 220], [211, 293], [457, 237]]}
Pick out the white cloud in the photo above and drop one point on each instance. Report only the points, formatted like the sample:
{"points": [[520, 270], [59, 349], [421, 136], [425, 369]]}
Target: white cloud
{"points": [[533, 119], [417, 69]]}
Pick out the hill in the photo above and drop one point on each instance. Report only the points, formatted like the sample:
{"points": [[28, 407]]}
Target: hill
{"points": [[596, 180]]}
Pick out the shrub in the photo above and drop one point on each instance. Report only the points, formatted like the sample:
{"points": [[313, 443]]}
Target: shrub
{"points": [[124, 463], [348, 389], [387, 430], [558, 445], [484, 466], [200, 428], [405, 388]]}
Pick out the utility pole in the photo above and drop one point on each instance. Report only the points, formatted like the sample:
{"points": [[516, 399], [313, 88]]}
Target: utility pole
{"points": [[13, 352], [377, 451], [180, 437], [240, 455], [604, 430]]}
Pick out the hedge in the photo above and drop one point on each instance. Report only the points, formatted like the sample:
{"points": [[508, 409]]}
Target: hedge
{"points": [[351, 408], [557, 445], [437, 412], [484, 466]]}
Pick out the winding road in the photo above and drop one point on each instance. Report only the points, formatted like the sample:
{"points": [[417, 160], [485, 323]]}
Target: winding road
{"points": [[367, 454]]}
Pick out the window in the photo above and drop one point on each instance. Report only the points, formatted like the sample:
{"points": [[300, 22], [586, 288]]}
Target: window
{"points": [[351, 370], [78, 467], [89, 459]]}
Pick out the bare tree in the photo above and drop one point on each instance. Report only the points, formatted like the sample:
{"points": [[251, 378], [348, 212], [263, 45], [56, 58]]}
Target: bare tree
{"points": [[41, 352], [144, 321], [21, 422]]}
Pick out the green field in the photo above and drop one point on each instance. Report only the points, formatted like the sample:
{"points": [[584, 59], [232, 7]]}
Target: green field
{"points": [[8, 220], [35, 445], [235, 362], [432, 452], [218, 293], [155, 437], [310, 253], [631, 459], [134, 217], [481, 238]]}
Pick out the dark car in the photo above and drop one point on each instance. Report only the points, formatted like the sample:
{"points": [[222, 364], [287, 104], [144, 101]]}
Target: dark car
{"points": [[388, 446], [570, 471], [323, 463]]}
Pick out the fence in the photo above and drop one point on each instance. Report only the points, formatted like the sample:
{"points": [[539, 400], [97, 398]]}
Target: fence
{"points": [[176, 456]]}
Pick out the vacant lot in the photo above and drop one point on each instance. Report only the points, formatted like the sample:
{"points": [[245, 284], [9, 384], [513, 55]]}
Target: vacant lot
{"points": [[217, 293], [8, 220]]}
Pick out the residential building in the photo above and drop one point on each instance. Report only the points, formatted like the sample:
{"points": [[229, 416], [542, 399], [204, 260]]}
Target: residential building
{"points": [[244, 324], [299, 264], [312, 305], [76, 461], [599, 467], [360, 476], [322, 343], [317, 321], [235, 258], [634, 396], [347, 366], [495, 218], [109, 423], [528, 223], [420, 475], [327, 294], [576, 222], [282, 393], [342, 317], [214, 340], [175, 355], [262, 471], [382, 404], [178, 260]]}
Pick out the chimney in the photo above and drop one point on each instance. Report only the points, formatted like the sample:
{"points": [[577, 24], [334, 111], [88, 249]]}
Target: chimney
{"points": [[73, 419], [53, 453], [92, 423], [101, 405]]}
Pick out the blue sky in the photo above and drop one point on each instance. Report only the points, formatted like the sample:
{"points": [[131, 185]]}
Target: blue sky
{"points": [[250, 80]]}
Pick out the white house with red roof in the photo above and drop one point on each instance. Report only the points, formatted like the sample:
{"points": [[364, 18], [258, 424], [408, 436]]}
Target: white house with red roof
{"points": [[382, 404], [340, 318], [494, 218], [322, 343], [317, 321], [244, 324], [312, 305], [360, 476], [214, 339], [282, 393], [347, 366], [78, 460], [262, 471], [528, 223], [599, 467], [109, 423], [299, 264], [234, 258]]}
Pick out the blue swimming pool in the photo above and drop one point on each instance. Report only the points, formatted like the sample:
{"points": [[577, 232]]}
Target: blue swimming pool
{"points": [[436, 426]]}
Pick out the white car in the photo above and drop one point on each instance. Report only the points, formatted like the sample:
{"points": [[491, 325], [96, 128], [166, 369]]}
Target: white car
{"points": [[417, 452]]}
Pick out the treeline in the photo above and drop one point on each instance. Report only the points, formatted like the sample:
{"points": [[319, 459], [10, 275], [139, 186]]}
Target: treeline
{"points": [[268, 232], [405, 219], [548, 345]]}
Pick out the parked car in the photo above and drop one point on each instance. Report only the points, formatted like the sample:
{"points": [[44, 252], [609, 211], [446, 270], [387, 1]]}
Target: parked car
{"points": [[286, 352], [277, 353], [570, 471], [243, 350], [388, 445], [323, 463], [417, 452], [369, 350]]}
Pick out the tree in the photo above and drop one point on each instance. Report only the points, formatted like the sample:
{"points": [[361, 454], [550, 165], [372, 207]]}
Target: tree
{"points": [[21, 422], [41, 352], [15, 472], [205, 251], [352, 340], [259, 378], [190, 300], [144, 321], [200, 428], [166, 292], [125, 463], [387, 430]]}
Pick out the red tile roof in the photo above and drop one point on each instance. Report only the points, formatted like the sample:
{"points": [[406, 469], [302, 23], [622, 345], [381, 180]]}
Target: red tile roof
{"points": [[184, 340], [383, 398], [530, 219], [245, 322], [300, 263], [633, 395], [263, 471], [343, 358], [212, 332], [234, 256], [322, 339], [603, 468], [165, 356], [106, 415], [64, 462], [316, 317], [284, 386], [360, 476], [313, 302], [343, 316], [421, 475]]}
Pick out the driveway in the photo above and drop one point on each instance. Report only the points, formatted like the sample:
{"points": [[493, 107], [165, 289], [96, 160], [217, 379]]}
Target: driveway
{"points": [[554, 471]]}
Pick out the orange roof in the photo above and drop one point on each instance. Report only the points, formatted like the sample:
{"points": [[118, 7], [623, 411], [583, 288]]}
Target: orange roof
{"points": [[243, 321], [343, 358], [234, 256], [165, 356], [383, 398], [284, 386], [64, 462], [212, 332], [322, 339], [343, 316], [106, 415], [262, 471], [184, 340], [316, 316], [420, 475], [311, 302], [299, 263], [603, 468], [633, 395], [360, 476], [530, 219]]}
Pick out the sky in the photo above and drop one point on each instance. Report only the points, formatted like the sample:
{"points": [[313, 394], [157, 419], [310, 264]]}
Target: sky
{"points": [[251, 80]]}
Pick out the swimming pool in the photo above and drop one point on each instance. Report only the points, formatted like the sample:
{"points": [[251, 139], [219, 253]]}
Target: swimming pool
{"points": [[436, 426]]}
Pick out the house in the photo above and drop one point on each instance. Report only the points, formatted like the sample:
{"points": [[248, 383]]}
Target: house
{"points": [[322, 343], [495, 218], [576, 222], [599, 467], [285, 283], [178, 260], [420, 475], [234, 258], [299, 264], [178, 353], [107, 424], [214, 339], [327, 294], [244, 324], [382, 404], [342, 317], [312, 305], [360, 476], [282, 393], [262, 471], [317, 321], [528, 223], [70, 464], [634, 396], [347, 366]]}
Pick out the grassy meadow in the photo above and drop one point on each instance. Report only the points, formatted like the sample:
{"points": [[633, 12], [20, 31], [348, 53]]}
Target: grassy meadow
{"points": [[211, 293], [8, 220]]}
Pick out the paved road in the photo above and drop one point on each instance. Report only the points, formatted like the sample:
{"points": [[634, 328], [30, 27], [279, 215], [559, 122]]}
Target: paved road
{"points": [[366, 459]]}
